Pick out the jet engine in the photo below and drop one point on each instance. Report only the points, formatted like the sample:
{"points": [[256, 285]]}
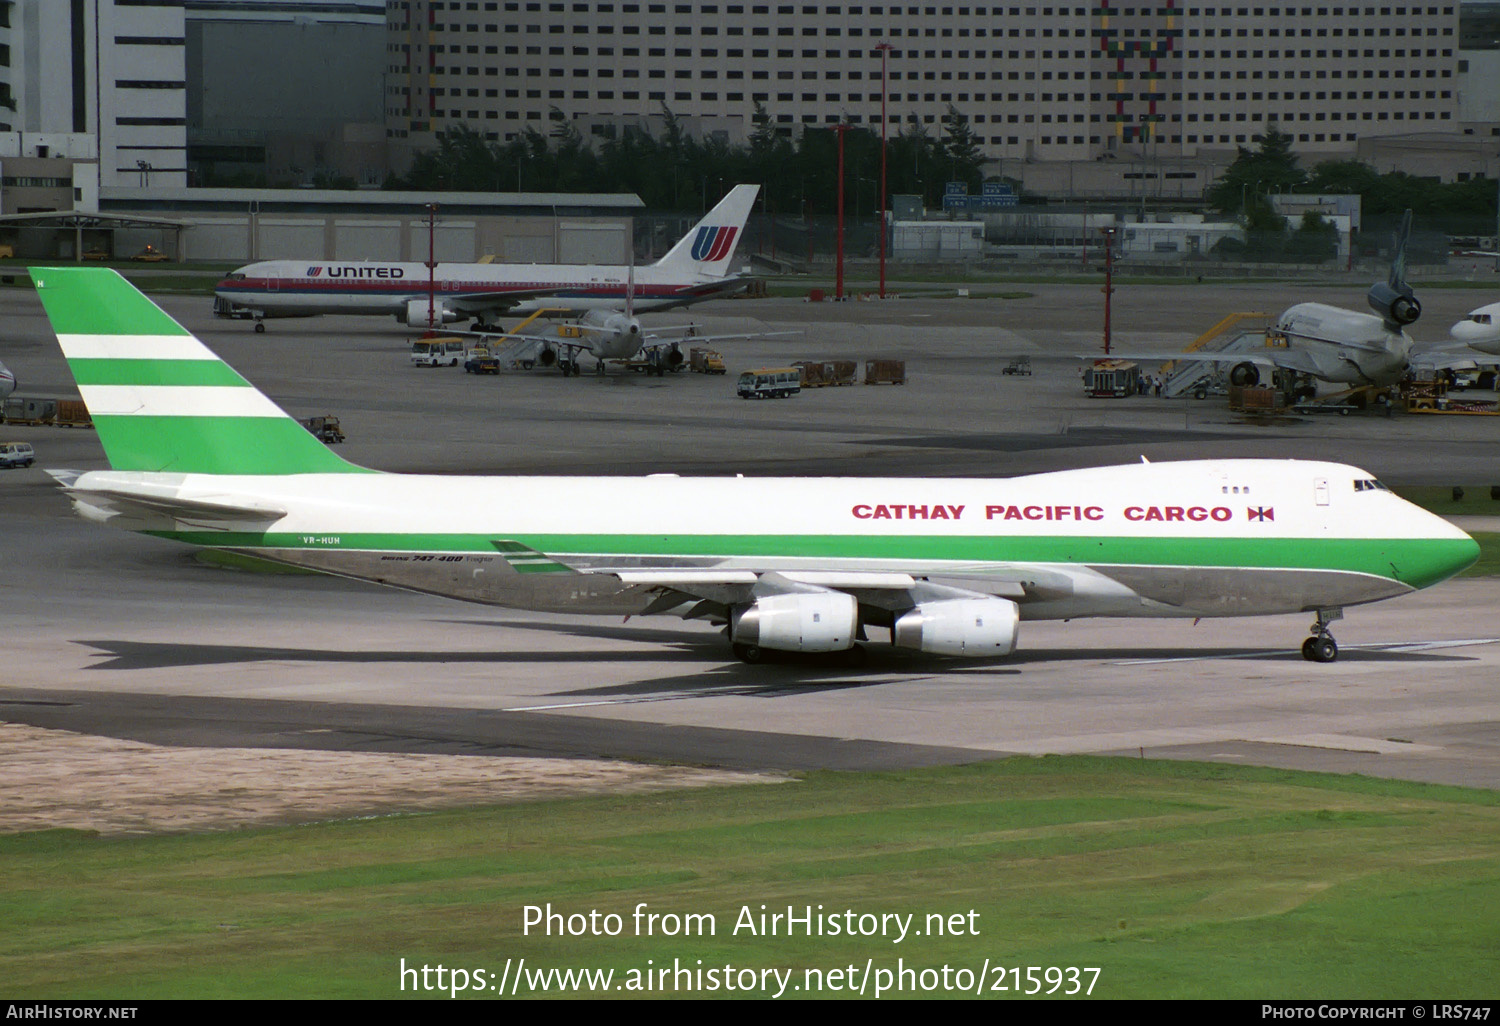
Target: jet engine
{"points": [[416, 313], [817, 621], [1396, 304], [673, 357], [959, 627], [1244, 374]]}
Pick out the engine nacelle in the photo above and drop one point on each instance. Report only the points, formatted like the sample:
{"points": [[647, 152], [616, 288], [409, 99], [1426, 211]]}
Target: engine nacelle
{"points": [[960, 627], [416, 313], [1396, 305], [1244, 374], [824, 621], [673, 357]]}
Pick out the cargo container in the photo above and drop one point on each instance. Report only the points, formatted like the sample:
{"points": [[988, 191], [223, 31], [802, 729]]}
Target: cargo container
{"points": [[823, 373], [22, 410], [72, 413], [885, 372]]}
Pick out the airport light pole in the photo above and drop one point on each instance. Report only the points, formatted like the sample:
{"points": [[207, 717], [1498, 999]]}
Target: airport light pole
{"points": [[431, 265], [838, 291], [885, 50], [1109, 279]]}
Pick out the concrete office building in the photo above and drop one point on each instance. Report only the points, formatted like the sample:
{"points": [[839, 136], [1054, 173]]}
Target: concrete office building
{"points": [[96, 82], [1174, 85]]}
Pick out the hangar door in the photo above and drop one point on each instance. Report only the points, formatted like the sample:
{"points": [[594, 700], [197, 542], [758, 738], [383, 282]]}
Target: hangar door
{"points": [[370, 240], [225, 238], [591, 244], [291, 240], [453, 241]]}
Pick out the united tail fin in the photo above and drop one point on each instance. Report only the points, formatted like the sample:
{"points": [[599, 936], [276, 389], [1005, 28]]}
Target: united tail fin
{"points": [[706, 249], [160, 399]]}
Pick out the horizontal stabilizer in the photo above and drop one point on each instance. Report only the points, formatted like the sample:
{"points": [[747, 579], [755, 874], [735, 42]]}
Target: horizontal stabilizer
{"points": [[151, 505]]}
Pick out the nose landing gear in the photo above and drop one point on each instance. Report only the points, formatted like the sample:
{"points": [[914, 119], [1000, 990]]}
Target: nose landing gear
{"points": [[1321, 648]]}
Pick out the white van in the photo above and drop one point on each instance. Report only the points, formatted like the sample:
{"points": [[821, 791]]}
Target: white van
{"points": [[16, 454]]}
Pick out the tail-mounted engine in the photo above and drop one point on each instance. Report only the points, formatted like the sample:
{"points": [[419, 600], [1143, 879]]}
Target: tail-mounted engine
{"points": [[1398, 304]]}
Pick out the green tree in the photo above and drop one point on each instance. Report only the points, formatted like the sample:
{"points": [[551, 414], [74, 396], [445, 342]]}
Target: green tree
{"points": [[961, 148], [1271, 167], [1314, 241]]}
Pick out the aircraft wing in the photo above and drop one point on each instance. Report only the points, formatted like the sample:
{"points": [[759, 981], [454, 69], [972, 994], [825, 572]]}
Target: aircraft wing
{"points": [[711, 593], [498, 301], [1452, 355]]}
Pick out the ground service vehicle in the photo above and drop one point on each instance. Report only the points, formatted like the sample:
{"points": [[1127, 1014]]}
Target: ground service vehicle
{"points": [[481, 361], [437, 352], [702, 360], [770, 383], [16, 454], [325, 429]]}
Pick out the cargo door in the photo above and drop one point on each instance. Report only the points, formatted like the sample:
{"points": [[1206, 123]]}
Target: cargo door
{"points": [[1320, 490]]}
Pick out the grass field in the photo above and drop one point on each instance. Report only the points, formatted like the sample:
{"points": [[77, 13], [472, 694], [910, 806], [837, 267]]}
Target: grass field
{"points": [[1170, 879]]}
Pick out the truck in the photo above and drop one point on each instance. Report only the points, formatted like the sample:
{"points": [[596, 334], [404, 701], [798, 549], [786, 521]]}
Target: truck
{"points": [[1111, 379], [325, 429], [480, 360], [770, 383], [437, 352], [703, 360]]}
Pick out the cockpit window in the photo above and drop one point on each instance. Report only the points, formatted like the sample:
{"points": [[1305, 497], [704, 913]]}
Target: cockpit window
{"points": [[1369, 485], [236, 276]]}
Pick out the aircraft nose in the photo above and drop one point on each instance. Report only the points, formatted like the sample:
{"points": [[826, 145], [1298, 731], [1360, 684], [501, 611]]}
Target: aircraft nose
{"points": [[1441, 555]]}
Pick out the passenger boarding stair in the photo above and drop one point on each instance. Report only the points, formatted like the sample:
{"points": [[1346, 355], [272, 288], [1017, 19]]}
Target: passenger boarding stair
{"points": [[1186, 376]]}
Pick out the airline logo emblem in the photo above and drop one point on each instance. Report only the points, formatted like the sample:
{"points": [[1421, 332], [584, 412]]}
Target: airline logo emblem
{"points": [[714, 243], [313, 272]]}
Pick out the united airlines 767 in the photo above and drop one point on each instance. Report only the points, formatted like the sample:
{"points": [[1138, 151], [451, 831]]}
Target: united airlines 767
{"points": [[695, 269]]}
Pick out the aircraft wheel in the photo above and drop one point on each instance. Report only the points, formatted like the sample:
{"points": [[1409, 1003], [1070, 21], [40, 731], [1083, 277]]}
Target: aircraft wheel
{"points": [[750, 654], [260, 328], [1320, 649]]}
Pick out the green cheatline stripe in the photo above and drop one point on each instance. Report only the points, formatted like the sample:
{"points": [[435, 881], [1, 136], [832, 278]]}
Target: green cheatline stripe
{"points": [[216, 445], [154, 372], [1418, 562], [97, 301]]}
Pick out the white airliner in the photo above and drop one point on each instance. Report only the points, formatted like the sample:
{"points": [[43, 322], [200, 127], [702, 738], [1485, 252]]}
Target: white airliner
{"points": [[1333, 344], [947, 566], [7, 381], [694, 270], [1480, 330]]}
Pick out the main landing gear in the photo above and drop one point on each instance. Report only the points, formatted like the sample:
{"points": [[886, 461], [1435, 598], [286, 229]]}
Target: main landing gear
{"points": [[1321, 648]]}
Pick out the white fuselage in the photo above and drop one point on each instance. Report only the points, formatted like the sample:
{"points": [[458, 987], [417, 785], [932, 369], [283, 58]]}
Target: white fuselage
{"points": [[1347, 346], [1480, 330], [1236, 537], [290, 288]]}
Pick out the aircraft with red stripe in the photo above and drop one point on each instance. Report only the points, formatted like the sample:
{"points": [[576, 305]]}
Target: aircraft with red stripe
{"points": [[694, 270]]}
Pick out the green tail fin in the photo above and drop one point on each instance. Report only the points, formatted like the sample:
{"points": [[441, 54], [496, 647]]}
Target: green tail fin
{"points": [[160, 399]]}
